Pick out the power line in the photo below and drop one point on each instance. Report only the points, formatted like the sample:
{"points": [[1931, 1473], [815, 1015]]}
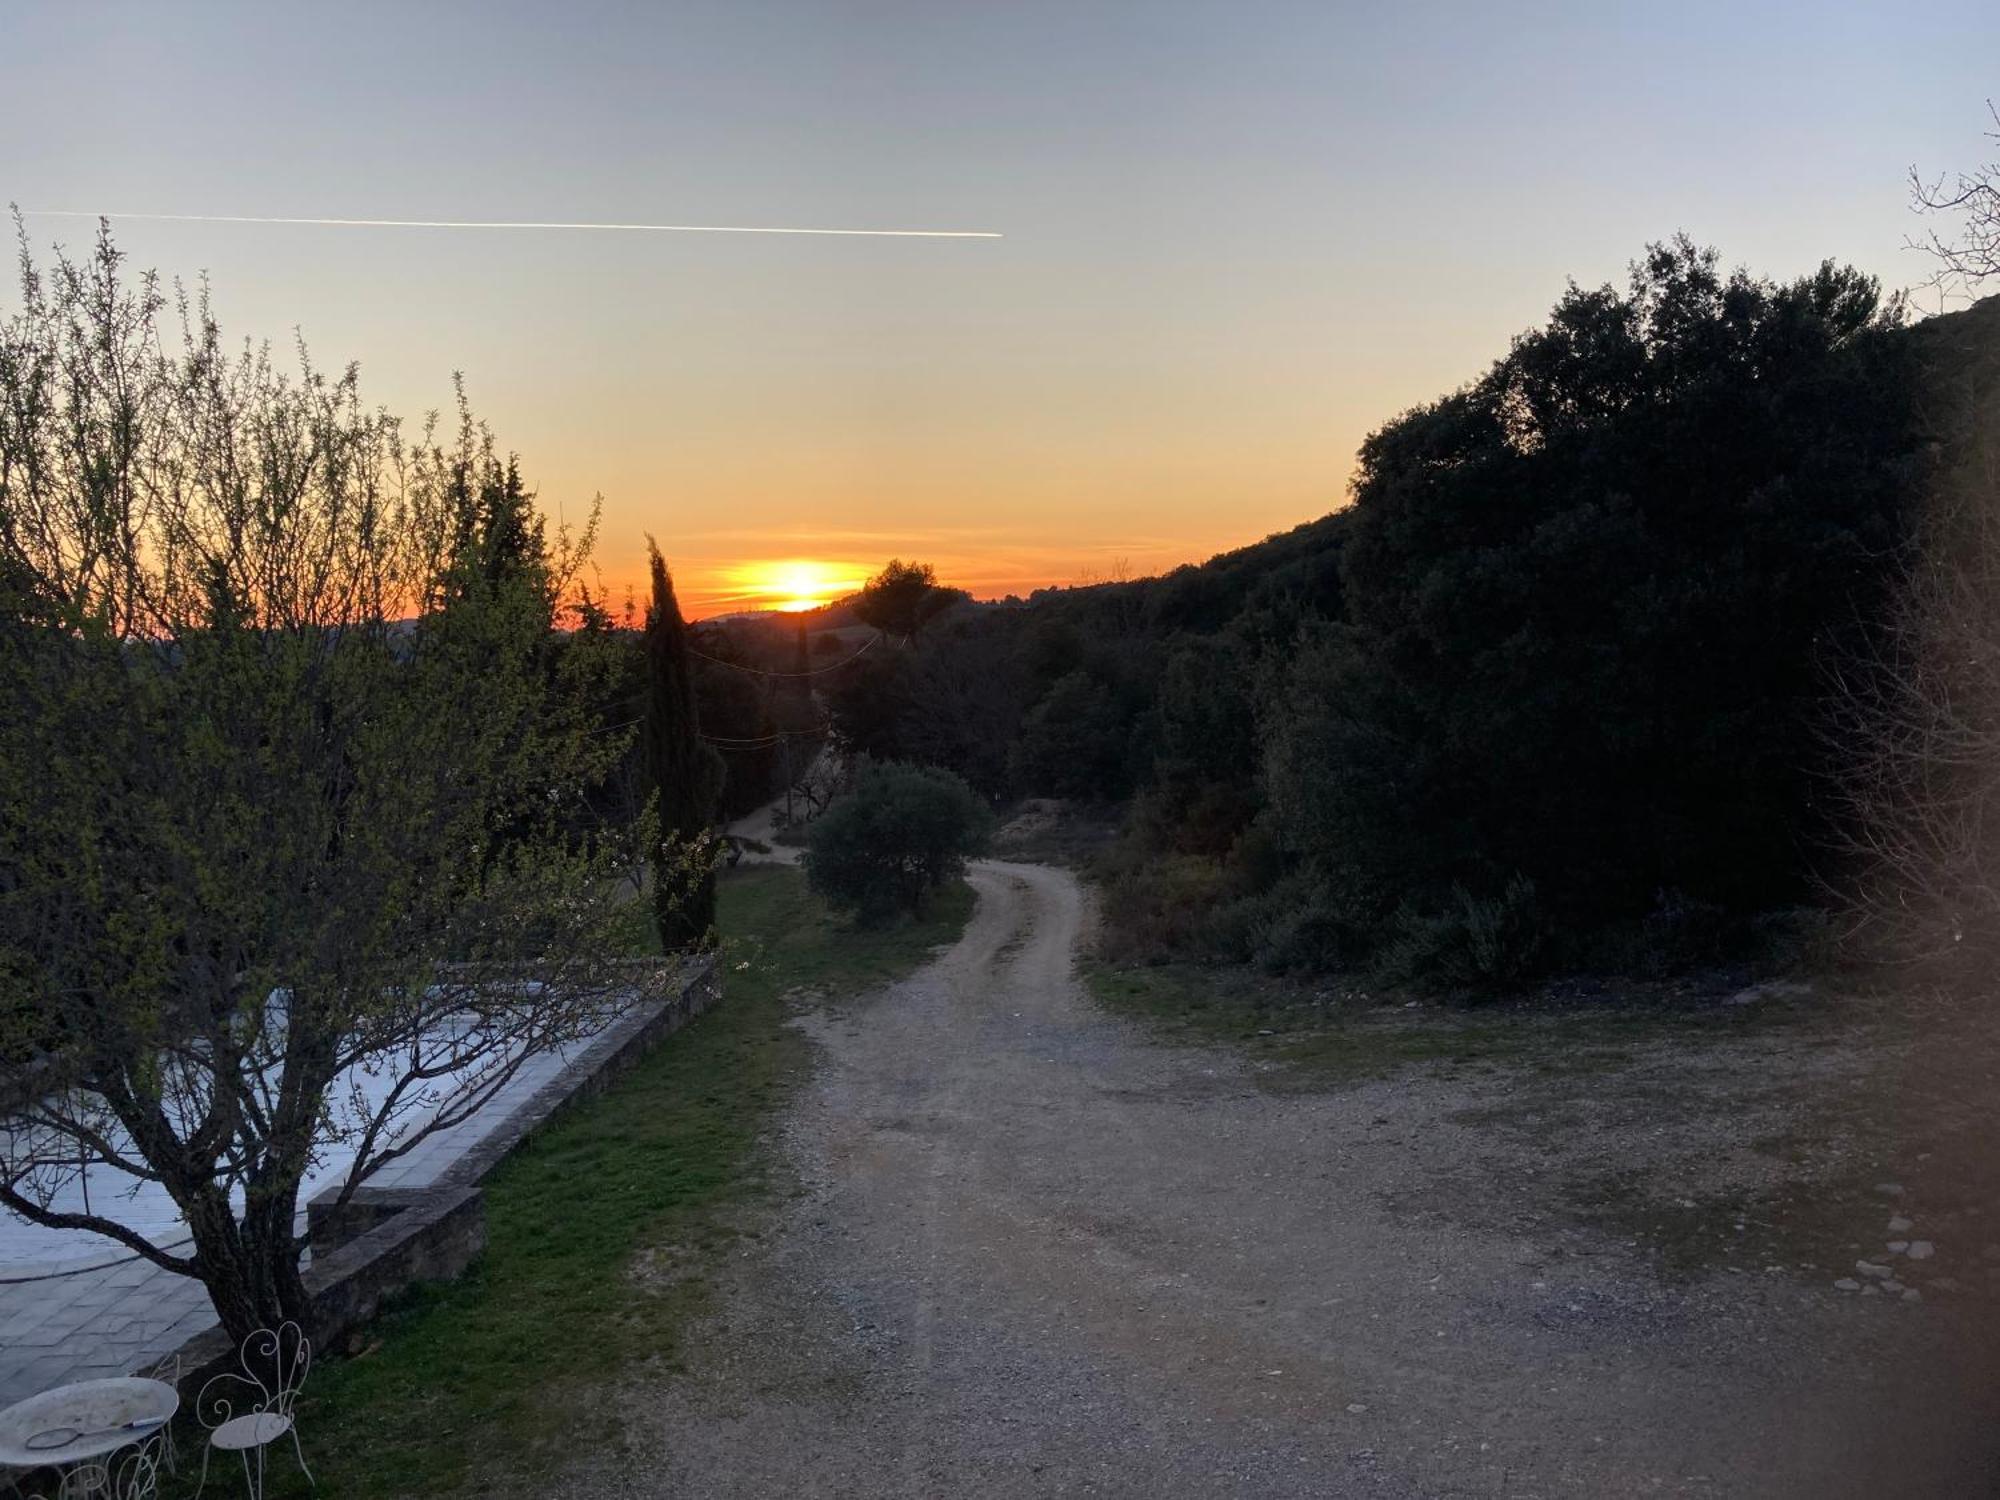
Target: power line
{"points": [[733, 741], [776, 737], [761, 672]]}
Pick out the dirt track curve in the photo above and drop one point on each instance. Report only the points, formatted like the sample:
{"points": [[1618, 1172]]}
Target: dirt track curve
{"points": [[1037, 1253]]}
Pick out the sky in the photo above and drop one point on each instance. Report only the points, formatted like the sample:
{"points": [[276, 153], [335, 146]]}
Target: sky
{"points": [[1236, 237]]}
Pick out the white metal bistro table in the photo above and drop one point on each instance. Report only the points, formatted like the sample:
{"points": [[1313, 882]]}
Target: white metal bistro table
{"points": [[74, 1424]]}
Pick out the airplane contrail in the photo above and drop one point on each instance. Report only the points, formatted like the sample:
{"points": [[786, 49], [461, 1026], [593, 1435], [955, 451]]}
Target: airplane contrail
{"points": [[905, 234]]}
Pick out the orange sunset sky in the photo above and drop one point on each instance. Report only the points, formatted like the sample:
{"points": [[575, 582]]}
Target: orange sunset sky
{"points": [[1236, 238]]}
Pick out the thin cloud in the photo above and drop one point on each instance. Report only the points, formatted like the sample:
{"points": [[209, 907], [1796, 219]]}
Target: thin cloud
{"points": [[900, 234]]}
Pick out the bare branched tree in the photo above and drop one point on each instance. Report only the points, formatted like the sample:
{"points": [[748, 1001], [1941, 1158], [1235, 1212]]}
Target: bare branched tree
{"points": [[1916, 720], [825, 777], [1969, 254], [295, 863]]}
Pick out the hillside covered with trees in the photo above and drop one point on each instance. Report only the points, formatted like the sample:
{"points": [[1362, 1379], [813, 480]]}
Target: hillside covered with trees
{"points": [[1554, 689]]}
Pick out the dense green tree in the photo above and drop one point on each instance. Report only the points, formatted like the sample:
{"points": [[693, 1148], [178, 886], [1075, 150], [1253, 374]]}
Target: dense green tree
{"points": [[1075, 742], [965, 692], [894, 839], [500, 533], [1584, 598], [1559, 663], [1204, 787]]}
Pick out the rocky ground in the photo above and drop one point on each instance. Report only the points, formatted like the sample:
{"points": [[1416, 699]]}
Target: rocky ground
{"points": [[1034, 1250]]}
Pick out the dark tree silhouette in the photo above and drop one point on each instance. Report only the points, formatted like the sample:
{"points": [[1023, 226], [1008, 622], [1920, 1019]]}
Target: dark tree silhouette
{"points": [[1585, 596], [686, 774], [902, 598]]}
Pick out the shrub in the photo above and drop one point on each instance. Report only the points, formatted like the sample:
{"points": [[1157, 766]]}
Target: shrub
{"points": [[1304, 927], [1159, 905], [1473, 942], [900, 834], [1155, 905]]}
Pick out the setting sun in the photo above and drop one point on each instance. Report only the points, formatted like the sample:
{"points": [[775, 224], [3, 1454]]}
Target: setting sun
{"points": [[795, 584]]}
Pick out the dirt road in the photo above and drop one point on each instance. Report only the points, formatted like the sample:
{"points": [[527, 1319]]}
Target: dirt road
{"points": [[1036, 1252]]}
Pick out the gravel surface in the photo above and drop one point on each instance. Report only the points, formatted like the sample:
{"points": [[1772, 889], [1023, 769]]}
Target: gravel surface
{"points": [[1036, 1252]]}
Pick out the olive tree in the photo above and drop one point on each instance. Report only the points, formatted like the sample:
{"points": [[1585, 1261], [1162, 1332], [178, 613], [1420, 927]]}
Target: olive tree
{"points": [[895, 837], [294, 867]]}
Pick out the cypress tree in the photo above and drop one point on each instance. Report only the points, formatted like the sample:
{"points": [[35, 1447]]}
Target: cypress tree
{"points": [[686, 773]]}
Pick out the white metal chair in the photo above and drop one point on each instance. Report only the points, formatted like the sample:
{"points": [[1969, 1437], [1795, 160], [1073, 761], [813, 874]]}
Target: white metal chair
{"points": [[129, 1474], [275, 1362]]}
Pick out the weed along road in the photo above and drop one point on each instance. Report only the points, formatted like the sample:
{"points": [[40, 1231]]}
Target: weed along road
{"points": [[1033, 1250]]}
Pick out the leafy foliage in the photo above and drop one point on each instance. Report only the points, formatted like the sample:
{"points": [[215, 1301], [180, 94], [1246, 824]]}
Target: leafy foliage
{"points": [[292, 777], [1072, 743], [901, 834], [1585, 596]]}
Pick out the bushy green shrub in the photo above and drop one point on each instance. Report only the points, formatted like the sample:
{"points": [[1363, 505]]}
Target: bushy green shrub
{"points": [[1160, 906], [1473, 942], [1304, 928], [900, 834], [1154, 905]]}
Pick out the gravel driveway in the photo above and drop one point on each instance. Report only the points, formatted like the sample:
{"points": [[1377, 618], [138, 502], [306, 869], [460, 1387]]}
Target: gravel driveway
{"points": [[1036, 1252]]}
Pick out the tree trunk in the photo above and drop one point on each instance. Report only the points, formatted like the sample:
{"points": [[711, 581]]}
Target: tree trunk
{"points": [[251, 1267]]}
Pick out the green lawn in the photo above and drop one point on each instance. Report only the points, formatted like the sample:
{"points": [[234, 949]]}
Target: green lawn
{"points": [[460, 1388]]}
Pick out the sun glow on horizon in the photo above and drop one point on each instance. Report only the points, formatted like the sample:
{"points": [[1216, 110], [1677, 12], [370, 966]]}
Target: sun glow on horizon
{"points": [[793, 585]]}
